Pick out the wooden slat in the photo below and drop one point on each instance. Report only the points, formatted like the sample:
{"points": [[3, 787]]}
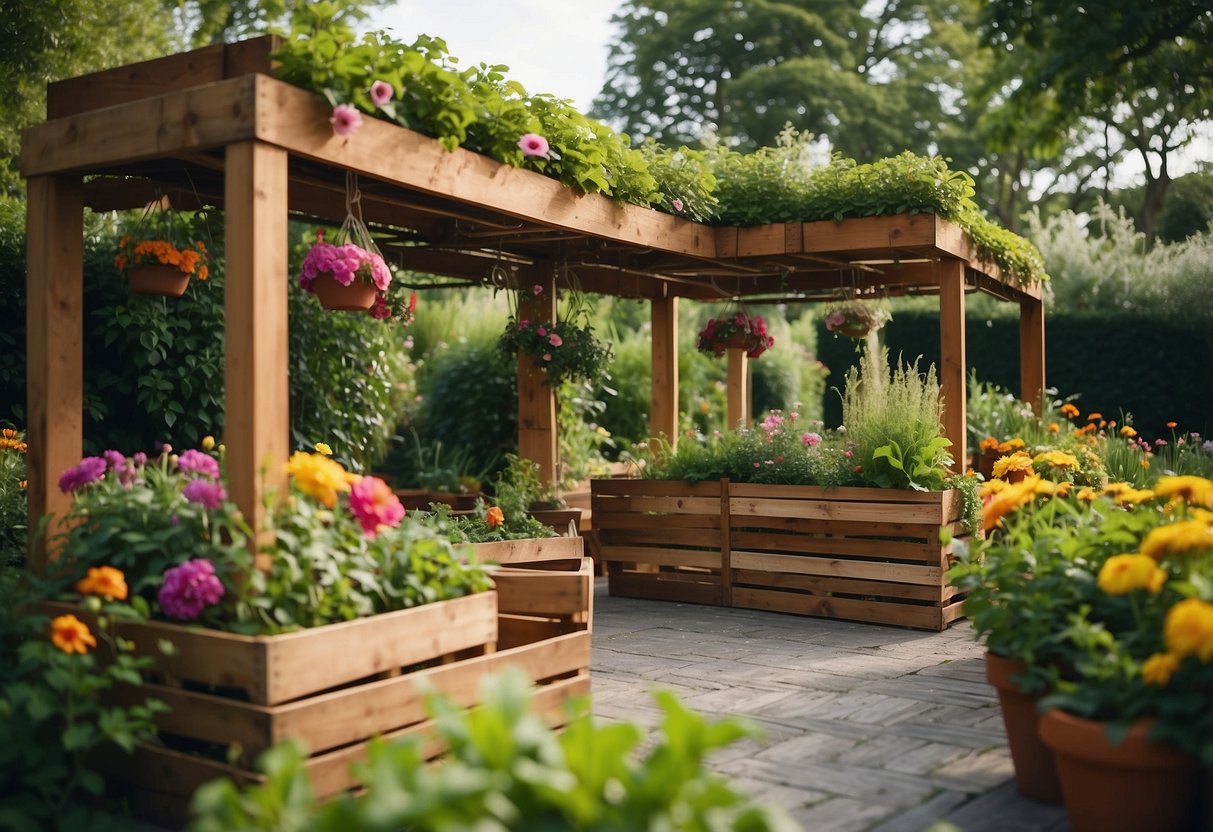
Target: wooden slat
{"points": [[610, 523], [1032, 353], [531, 592], [761, 240], [672, 505], [838, 545], [653, 488], [257, 399], [738, 389], [632, 585], [700, 538], [870, 233], [537, 439], [953, 365], [298, 121], [840, 494], [743, 509], [869, 570], [924, 532], [661, 557], [531, 550], [820, 585], [873, 612], [147, 79], [54, 372], [199, 118]]}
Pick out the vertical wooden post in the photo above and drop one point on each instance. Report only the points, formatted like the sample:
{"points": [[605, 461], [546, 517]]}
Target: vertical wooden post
{"points": [[257, 408], [1032, 352], [663, 414], [54, 292], [738, 391], [953, 364], [537, 436]]}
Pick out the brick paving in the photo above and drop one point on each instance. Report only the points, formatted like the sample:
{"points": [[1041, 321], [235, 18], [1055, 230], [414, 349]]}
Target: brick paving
{"points": [[867, 728]]}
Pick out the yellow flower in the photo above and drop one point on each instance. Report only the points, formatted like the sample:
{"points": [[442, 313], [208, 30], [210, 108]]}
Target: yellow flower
{"points": [[1007, 465], [989, 489], [105, 581], [1188, 629], [323, 448], [1058, 459], [1113, 489], [1007, 500], [1054, 427], [71, 635], [208, 443], [318, 476], [1012, 445], [1195, 491], [1128, 432], [988, 444], [1157, 669], [1087, 495], [10, 440], [1182, 538], [1121, 574]]}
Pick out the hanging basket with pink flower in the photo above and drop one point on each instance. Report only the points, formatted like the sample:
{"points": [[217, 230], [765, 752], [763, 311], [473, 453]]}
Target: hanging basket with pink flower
{"points": [[856, 318], [739, 331], [565, 349]]}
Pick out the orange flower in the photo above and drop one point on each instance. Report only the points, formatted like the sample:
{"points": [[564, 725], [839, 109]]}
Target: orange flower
{"points": [[1012, 467], [10, 441], [71, 635], [1128, 432], [988, 444], [494, 517], [1007, 500], [1094, 417], [1086, 495], [1172, 425], [105, 581], [1069, 410], [1158, 669], [1054, 427]]}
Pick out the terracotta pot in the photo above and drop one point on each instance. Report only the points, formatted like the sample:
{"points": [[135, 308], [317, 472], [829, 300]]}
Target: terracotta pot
{"points": [[1136, 785], [157, 279], [1035, 766], [359, 296]]}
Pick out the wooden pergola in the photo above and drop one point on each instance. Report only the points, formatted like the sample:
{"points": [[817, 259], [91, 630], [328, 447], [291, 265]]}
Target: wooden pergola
{"points": [[214, 126]]}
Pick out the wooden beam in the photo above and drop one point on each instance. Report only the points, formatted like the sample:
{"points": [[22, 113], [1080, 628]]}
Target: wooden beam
{"points": [[1032, 352], [663, 415], [257, 415], [738, 391], [537, 430], [54, 293], [299, 121], [193, 119], [953, 366]]}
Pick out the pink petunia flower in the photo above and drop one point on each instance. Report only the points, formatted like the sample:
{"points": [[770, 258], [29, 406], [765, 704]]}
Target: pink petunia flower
{"points": [[190, 588], [346, 120], [676, 204], [547, 356], [810, 440], [374, 505], [87, 471], [205, 493], [533, 144], [381, 93], [555, 340], [541, 331], [196, 462], [537, 289]]}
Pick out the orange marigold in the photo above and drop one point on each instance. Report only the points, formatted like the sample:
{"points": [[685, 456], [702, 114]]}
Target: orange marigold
{"points": [[1069, 410], [105, 581], [71, 635]]}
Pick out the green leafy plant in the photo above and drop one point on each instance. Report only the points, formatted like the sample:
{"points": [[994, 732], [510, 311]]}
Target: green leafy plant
{"points": [[13, 512], [562, 351], [506, 770]]}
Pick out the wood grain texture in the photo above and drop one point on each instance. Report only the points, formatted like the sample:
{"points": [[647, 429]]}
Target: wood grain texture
{"points": [[1032, 353], [737, 389], [953, 365], [663, 418], [537, 437]]}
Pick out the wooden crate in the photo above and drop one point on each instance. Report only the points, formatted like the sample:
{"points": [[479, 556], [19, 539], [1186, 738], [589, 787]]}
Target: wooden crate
{"points": [[333, 688], [862, 554], [552, 553], [536, 604]]}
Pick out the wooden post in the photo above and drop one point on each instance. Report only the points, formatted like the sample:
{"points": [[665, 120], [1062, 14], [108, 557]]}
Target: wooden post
{"points": [[1032, 352], [663, 417], [738, 388], [257, 409], [537, 437], [54, 292], [953, 365]]}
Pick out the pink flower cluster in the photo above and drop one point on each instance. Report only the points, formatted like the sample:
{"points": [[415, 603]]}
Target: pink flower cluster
{"points": [[374, 505], [190, 588], [752, 332], [344, 263]]}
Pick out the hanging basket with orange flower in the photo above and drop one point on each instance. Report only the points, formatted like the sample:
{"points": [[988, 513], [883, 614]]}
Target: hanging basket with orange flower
{"points": [[158, 267]]}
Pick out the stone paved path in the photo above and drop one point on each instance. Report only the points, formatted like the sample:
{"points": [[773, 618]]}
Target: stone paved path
{"points": [[867, 727]]}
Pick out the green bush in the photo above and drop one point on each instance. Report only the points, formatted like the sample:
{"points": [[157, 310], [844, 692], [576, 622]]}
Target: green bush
{"points": [[506, 770]]}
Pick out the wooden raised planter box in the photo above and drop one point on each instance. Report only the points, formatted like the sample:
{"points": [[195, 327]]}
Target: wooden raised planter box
{"points": [[862, 554], [335, 687]]}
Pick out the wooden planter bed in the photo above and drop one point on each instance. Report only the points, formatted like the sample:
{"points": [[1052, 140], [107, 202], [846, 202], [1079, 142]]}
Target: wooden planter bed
{"points": [[335, 687], [863, 554]]}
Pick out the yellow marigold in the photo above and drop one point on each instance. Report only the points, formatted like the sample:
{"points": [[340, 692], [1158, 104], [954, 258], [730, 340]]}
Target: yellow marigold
{"points": [[208, 443], [1069, 410], [105, 581], [1063, 489], [318, 476], [992, 487], [1158, 669], [1114, 488], [1145, 463], [1128, 432], [1188, 629], [71, 635], [1195, 491], [987, 444], [1087, 495], [1012, 445], [1058, 459], [324, 449], [1182, 538], [10, 440], [1007, 500], [1121, 574], [1134, 496], [1018, 461]]}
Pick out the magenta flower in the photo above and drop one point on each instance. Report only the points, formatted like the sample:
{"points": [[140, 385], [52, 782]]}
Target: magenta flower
{"points": [[537, 289], [676, 204], [541, 331], [205, 493], [114, 459], [381, 93], [533, 144], [374, 505], [555, 340], [140, 458], [188, 589], [346, 120], [835, 320], [197, 462], [87, 471], [810, 440]]}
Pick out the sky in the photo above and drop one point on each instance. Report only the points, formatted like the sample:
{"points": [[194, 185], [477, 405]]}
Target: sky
{"points": [[550, 46]]}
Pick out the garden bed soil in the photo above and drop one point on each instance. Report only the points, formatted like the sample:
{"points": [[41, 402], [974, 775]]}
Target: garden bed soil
{"points": [[860, 554]]}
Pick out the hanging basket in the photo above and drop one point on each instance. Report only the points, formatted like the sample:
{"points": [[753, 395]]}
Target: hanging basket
{"points": [[359, 296], [854, 329], [157, 279]]}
